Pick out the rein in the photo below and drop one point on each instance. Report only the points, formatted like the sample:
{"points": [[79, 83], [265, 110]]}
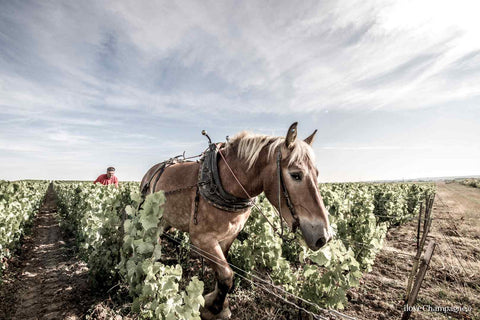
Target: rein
{"points": [[282, 189]]}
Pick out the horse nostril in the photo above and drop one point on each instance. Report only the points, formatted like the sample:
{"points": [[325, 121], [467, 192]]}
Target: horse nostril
{"points": [[321, 242]]}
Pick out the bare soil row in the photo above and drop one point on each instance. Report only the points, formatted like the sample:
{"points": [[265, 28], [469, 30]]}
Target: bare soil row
{"points": [[45, 280], [453, 279]]}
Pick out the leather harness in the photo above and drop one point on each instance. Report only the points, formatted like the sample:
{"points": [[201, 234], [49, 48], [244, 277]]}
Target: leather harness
{"points": [[159, 171], [209, 186]]}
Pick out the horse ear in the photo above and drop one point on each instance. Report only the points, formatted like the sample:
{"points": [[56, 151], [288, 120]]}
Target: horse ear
{"points": [[291, 135], [309, 139]]}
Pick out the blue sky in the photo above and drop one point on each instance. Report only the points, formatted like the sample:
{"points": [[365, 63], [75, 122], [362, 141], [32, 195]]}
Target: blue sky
{"points": [[392, 86]]}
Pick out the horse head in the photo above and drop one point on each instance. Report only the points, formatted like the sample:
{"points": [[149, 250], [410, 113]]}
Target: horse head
{"points": [[294, 183]]}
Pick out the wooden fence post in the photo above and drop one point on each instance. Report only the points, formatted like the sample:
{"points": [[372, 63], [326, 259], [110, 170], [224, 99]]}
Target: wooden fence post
{"points": [[420, 244], [412, 297], [418, 225]]}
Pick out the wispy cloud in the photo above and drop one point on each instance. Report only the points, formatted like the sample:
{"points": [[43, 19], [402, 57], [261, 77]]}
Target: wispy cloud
{"points": [[311, 56], [141, 74]]}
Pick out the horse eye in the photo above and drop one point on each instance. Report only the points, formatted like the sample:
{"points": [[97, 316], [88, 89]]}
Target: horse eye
{"points": [[297, 176]]}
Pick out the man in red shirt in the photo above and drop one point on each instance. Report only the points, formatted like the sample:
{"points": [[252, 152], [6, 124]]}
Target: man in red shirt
{"points": [[108, 178]]}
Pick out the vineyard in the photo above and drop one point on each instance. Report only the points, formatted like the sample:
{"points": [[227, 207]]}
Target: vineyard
{"points": [[125, 255], [19, 202], [471, 182], [120, 244]]}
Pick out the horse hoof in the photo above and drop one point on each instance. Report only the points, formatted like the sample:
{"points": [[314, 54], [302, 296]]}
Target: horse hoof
{"points": [[206, 314]]}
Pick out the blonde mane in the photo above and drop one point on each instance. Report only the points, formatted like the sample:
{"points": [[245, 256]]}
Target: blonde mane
{"points": [[250, 144]]}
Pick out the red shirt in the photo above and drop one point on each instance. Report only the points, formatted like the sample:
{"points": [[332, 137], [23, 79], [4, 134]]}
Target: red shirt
{"points": [[105, 181]]}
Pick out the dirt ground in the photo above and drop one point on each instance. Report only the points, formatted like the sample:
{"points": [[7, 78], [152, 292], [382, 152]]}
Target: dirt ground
{"points": [[46, 281], [453, 279]]}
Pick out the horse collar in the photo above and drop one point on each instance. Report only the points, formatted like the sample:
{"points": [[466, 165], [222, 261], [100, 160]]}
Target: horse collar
{"points": [[210, 186]]}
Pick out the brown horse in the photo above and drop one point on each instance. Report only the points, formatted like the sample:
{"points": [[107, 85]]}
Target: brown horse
{"points": [[252, 159]]}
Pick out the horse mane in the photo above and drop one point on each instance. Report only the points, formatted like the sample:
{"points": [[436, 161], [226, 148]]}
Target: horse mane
{"points": [[249, 145]]}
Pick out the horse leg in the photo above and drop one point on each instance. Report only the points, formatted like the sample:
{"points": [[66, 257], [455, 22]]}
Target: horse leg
{"points": [[216, 304], [225, 245]]}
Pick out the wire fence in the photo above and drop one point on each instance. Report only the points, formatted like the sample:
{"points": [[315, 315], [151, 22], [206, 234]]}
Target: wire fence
{"points": [[240, 272], [460, 237]]}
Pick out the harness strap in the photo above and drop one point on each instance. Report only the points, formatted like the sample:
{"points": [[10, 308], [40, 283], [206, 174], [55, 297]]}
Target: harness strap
{"points": [[145, 188], [162, 169], [195, 210], [279, 174], [159, 171], [296, 222]]}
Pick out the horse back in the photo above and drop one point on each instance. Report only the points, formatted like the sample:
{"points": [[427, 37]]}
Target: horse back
{"points": [[173, 177]]}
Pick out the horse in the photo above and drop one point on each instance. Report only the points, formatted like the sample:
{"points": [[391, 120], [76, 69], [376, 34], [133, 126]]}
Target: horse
{"points": [[249, 164]]}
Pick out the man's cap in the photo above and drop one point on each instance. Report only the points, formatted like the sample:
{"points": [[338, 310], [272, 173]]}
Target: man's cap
{"points": [[110, 169]]}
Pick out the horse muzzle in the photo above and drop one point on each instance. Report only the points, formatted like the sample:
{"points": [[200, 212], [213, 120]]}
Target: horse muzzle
{"points": [[315, 234]]}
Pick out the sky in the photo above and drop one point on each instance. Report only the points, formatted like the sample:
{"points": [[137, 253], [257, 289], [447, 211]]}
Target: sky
{"points": [[392, 86]]}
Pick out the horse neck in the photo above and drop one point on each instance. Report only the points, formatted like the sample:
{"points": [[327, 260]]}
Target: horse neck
{"points": [[250, 179]]}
